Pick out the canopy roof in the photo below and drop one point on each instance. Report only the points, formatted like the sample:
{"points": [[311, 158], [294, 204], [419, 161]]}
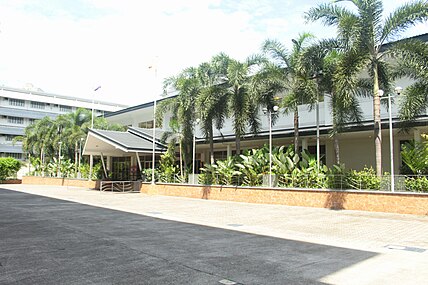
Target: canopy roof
{"points": [[114, 143]]}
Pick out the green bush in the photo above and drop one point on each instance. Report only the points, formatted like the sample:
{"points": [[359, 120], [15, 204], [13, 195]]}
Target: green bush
{"points": [[9, 167], [417, 184], [364, 179]]}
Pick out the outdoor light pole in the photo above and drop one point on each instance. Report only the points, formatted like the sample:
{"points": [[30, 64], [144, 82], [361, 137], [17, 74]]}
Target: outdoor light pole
{"points": [[391, 139], [93, 103], [317, 111], [269, 113], [194, 149], [59, 159]]}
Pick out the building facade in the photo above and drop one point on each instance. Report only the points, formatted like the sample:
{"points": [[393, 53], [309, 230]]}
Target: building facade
{"points": [[22, 107]]}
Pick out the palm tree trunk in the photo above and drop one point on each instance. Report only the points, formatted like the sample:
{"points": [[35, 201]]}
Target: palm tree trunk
{"points": [[211, 146], [296, 129], [377, 122], [181, 157], [238, 144], [336, 149]]}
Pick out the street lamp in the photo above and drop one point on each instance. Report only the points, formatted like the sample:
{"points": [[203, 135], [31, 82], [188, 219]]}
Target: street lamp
{"points": [[398, 90], [80, 157], [269, 112], [195, 123], [59, 159], [93, 103]]}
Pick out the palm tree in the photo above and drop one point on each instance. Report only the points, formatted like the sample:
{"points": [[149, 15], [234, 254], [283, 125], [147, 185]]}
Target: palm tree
{"points": [[293, 76], [182, 107], [413, 63], [242, 102], [212, 101], [368, 33]]}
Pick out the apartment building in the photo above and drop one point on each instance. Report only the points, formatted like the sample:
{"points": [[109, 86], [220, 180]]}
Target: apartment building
{"points": [[20, 107]]}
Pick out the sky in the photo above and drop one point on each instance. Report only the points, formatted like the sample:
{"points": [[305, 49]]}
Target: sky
{"points": [[70, 47]]}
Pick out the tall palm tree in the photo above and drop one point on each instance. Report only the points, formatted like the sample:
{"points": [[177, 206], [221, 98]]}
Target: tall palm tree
{"points": [[242, 104], [212, 101], [183, 106], [369, 32], [413, 62], [295, 75]]}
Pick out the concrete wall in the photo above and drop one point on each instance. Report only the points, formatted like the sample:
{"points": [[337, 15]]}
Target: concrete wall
{"points": [[60, 182], [402, 203]]}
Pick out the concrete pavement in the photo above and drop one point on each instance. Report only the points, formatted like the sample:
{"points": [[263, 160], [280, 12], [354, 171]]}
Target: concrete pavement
{"points": [[75, 236]]}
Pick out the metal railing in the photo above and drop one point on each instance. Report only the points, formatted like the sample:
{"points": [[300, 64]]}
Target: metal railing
{"points": [[403, 183], [120, 186]]}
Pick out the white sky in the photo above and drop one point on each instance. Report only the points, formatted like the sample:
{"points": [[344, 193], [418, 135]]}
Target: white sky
{"points": [[70, 47]]}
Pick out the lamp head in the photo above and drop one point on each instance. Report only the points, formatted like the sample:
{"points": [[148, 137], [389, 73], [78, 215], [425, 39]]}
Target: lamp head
{"points": [[380, 92], [398, 90], [275, 108]]}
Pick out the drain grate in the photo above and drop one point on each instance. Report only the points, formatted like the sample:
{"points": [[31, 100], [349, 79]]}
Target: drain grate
{"points": [[227, 282], [406, 248], [235, 225]]}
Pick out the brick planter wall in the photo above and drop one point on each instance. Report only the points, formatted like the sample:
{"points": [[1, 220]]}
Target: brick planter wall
{"points": [[11, 181], [402, 203], [37, 180]]}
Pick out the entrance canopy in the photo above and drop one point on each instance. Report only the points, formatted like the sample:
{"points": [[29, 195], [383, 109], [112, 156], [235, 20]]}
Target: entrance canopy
{"points": [[114, 143]]}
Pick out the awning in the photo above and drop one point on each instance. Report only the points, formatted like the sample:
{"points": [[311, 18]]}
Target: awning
{"points": [[114, 143]]}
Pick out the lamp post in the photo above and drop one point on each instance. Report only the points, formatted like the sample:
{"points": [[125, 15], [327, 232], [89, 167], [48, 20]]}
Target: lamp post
{"points": [[154, 66], [93, 103], [194, 149], [317, 77], [59, 159], [269, 112], [398, 90], [80, 157]]}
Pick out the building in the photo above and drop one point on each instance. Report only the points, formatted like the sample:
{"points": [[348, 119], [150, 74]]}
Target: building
{"points": [[357, 148], [21, 107]]}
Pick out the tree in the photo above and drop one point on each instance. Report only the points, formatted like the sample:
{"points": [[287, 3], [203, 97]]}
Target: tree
{"points": [[242, 104], [368, 32], [292, 76], [212, 101], [42, 139], [413, 62], [182, 107]]}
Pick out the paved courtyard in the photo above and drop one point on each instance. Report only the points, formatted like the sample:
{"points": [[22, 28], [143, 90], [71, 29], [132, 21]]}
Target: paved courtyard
{"points": [[65, 235]]}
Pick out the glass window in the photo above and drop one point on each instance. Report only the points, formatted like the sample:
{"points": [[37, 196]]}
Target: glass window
{"points": [[15, 120], [37, 105], [63, 108], [9, 138], [16, 102], [146, 125], [14, 155]]}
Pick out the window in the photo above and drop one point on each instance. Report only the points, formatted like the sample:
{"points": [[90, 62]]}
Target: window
{"points": [[9, 138], [146, 125], [63, 108], [16, 102], [14, 155], [15, 120], [37, 105], [32, 121]]}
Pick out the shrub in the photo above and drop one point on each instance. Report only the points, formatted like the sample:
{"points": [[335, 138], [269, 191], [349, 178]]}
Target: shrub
{"points": [[9, 167], [364, 179], [416, 184]]}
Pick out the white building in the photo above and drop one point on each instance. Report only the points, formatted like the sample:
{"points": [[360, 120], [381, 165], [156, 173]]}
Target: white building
{"points": [[21, 107]]}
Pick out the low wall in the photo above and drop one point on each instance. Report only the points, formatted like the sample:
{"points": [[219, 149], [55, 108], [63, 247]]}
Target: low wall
{"points": [[37, 180], [11, 181], [402, 203]]}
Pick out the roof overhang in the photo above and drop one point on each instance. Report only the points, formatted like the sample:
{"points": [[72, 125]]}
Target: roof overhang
{"points": [[116, 144]]}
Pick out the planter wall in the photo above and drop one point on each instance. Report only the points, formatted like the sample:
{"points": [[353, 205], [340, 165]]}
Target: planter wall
{"points": [[37, 180], [402, 203]]}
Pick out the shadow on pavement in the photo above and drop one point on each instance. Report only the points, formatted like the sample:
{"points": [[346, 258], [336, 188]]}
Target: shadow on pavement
{"points": [[51, 241]]}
